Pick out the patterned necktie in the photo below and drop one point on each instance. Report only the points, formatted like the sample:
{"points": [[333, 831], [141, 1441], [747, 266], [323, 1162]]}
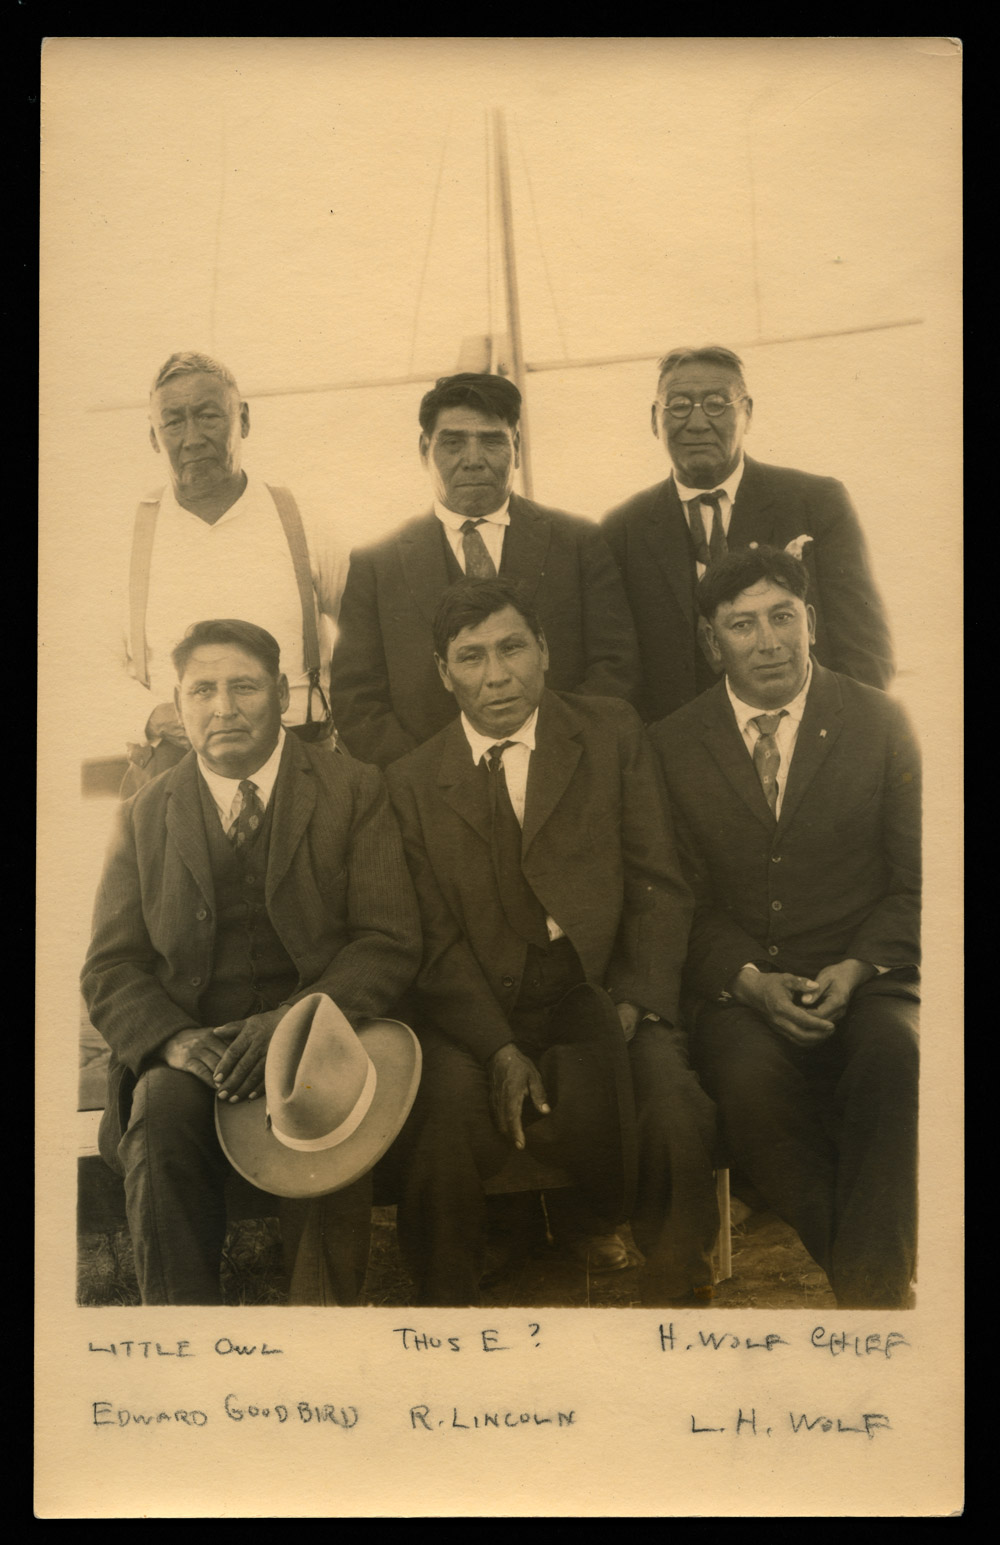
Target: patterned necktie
{"points": [[478, 563], [715, 548], [767, 757], [522, 908], [250, 816]]}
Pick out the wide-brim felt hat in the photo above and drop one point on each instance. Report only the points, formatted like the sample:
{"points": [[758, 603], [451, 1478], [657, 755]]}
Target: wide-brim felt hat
{"points": [[331, 1138], [591, 1131]]}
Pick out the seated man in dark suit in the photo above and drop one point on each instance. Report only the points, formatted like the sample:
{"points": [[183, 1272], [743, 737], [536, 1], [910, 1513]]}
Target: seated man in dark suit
{"points": [[718, 500], [256, 872], [387, 695], [590, 889], [796, 799]]}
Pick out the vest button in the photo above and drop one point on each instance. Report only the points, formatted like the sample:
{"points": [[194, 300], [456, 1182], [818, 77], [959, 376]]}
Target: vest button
{"points": [[201, 914], [772, 949], [775, 906], [775, 858], [507, 981], [196, 981], [251, 879]]}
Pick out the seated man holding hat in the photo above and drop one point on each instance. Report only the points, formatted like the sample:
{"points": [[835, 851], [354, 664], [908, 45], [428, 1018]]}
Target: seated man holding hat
{"points": [[555, 923], [243, 890]]}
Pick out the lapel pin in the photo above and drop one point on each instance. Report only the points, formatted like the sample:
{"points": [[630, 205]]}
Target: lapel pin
{"points": [[821, 734]]}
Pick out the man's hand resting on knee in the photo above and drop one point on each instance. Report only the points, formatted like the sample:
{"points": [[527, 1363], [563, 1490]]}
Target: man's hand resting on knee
{"points": [[228, 1058], [513, 1077]]}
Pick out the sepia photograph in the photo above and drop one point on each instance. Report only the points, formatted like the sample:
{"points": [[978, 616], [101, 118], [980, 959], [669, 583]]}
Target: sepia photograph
{"points": [[500, 575]]}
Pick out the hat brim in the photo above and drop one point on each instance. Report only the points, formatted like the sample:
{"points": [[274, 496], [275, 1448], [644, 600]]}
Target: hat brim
{"points": [[256, 1154]]}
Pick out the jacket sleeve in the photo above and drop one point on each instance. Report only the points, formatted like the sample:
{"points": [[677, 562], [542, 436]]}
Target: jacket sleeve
{"points": [[359, 673], [719, 948], [368, 974], [610, 644], [652, 938], [858, 642], [124, 997], [453, 991], [890, 934]]}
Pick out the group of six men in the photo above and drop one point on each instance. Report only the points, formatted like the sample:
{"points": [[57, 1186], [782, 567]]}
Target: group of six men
{"points": [[626, 948]]}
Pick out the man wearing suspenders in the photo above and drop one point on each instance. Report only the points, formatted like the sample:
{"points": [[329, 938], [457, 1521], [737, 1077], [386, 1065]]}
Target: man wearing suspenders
{"points": [[217, 543]]}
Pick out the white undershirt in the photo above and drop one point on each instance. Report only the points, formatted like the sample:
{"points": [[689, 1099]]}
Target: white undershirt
{"points": [[514, 761], [492, 532], [225, 790]]}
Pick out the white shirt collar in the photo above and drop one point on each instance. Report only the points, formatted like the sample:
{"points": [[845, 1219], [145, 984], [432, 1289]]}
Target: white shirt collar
{"points": [[795, 709], [729, 487], [480, 744], [454, 522], [224, 790]]}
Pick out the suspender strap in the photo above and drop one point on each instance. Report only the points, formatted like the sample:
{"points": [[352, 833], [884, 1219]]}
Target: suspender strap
{"points": [[138, 582], [291, 522]]}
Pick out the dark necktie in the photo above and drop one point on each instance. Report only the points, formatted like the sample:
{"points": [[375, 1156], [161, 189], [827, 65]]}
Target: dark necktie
{"points": [[522, 908], [478, 563], [766, 756], [246, 827], [710, 551]]}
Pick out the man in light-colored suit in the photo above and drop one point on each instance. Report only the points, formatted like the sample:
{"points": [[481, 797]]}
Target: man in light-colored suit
{"points": [[796, 799], [598, 897], [387, 694], [718, 500], [257, 871]]}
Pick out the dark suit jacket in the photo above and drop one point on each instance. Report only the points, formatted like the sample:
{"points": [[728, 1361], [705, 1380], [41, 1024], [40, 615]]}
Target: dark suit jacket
{"points": [[837, 877], [337, 892], [387, 695], [597, 851], [649, 537]]}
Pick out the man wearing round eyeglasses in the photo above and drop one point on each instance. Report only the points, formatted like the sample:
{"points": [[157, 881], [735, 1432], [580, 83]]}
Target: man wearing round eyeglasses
{"points": [[718, 500]]}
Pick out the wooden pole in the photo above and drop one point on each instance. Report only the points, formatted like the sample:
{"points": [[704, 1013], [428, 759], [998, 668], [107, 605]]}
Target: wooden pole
{"points": [[517, 370]]}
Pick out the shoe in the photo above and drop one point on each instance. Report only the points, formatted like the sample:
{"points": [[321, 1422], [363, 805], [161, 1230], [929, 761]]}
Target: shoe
{"points": [[599, 1252]]}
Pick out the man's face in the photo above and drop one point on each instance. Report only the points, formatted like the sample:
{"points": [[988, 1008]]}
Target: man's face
{"points": [[198, 423], [761, 639], [703, 450], [471, 459], [231, 708], [496, 672]]}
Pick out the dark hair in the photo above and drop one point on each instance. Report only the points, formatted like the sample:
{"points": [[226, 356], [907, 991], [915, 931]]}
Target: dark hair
{"points": [[247, 636], [728, 578], [491, 394], [711, 354], [469, 602], [187, 364]]}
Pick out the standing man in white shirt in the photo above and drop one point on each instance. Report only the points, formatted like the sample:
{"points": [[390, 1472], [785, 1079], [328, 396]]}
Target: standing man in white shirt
{"points": [[216, 542], [796, 801], [716, 500]]}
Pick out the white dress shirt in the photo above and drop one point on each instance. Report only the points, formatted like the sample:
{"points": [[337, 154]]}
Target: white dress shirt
{"points": [[514, 761], [225, 790], [727, 498], [785, 736], [492, 532]]}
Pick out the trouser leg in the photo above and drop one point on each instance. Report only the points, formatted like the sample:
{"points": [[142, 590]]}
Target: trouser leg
{"points": [[325, 1243], [875, 1109], [675, 1221], [771, 1118], [450, 1146], [174, 1173]]}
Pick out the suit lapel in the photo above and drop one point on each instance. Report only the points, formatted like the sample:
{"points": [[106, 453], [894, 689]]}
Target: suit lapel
{"points": [[526, 545], [754, 509], [722, 737], [553, 763], [822, 723], [186, 827], [425, 568], [665, 529], [294, 801], [461, 781]]}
